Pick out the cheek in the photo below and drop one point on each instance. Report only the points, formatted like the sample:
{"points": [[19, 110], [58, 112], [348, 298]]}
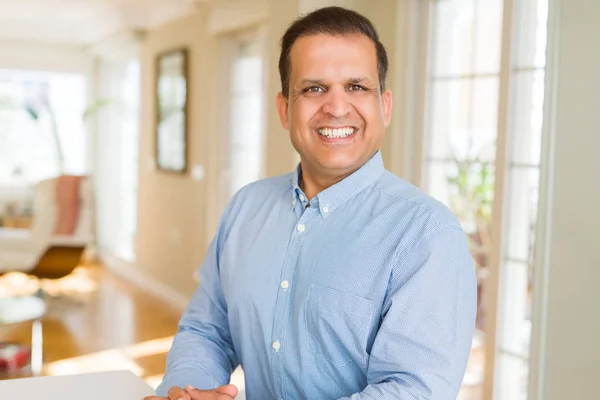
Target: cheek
{"points": [[370, 112], [303, 111]]}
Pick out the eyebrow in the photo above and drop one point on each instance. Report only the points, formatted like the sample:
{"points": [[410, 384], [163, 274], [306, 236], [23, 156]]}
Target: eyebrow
{"points": [[351, 80], [305, 82], [358, 80]]}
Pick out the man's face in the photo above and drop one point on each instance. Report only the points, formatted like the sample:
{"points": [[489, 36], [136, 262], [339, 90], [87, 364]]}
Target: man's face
{"points": [[335, 111]]}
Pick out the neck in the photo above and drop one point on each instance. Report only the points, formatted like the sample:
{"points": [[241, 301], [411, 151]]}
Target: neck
{"points": [[313, 183]]}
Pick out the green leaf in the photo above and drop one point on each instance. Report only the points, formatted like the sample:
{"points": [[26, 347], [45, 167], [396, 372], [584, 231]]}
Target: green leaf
{"points": [[32, 112], [97, 106]]}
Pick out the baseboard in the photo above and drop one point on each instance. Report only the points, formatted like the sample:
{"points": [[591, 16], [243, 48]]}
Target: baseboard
{"points": [[135, 275]]}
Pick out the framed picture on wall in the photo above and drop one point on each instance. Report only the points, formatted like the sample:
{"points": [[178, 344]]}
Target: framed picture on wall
{"points": [[171, 111]]}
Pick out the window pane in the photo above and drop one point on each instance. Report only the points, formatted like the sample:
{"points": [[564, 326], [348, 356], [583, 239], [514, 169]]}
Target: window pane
{"points": [[484, 120], [67, 99], [438, 174], [528, 114], [515, 327], [30, 103], [511, 378], [467, 37], [522, 213], [467, 187], [246, 127], [531, 30], [488, 36], [464, 119], [450, 110], [453, 37]]}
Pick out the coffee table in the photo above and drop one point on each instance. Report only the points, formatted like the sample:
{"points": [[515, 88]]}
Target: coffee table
{"points": [[20, 309]]}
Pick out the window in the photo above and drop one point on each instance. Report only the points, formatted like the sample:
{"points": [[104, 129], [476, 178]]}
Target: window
{"points": [[117, 158], [41, 126], [525, 117], [242, 148], [463, 113]]}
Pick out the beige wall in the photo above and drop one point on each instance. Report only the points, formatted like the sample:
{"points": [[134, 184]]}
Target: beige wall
{"points": [[15, 54], [171, 239], [177, 216], [572, 363]]}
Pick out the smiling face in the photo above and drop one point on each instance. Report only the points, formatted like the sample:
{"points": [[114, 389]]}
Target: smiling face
{"points": [[335, 112]]}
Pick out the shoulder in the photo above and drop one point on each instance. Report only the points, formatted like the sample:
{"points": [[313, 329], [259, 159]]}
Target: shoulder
{"points": [[432, 236], [262, 190], [409, 201], [277, 182], [258, 194]]}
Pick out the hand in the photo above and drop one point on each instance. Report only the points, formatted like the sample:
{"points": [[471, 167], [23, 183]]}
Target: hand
{"points": [[227, 392]]}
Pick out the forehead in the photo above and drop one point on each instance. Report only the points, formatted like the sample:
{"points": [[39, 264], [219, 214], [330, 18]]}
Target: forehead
{"points": [[328, 57]]}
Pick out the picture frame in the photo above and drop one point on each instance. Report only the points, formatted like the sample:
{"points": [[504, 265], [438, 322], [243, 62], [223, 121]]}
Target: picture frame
{"points": [[171, 131]]}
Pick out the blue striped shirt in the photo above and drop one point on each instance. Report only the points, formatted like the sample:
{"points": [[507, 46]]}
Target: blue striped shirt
{"points": [[367, 291]]}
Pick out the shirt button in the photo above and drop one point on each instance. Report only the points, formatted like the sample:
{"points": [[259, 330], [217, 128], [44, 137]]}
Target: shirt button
{"points": [[276, 345], [325, 209], [294, 202], [300, 228], [301, 197], [285, 285]]}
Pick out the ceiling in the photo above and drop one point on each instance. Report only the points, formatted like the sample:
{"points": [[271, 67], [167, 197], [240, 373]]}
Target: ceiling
{"points": [[83, 22]]}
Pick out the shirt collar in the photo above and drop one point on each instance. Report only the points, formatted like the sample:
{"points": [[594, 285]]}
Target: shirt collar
{"points": [[333, 197]]}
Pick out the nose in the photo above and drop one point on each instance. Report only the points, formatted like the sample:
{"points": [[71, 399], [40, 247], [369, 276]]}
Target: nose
{"points": [[336, 103]]}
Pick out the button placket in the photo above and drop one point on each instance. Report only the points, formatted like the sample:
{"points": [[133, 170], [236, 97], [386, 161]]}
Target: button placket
{"points": [[282, 306]]}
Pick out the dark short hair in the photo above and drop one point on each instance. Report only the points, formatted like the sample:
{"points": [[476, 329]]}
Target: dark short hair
{"points": [[333, 21]]}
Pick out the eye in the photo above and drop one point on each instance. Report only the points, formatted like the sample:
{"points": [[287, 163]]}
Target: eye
{"points": [[356, 88], [314, 89]]}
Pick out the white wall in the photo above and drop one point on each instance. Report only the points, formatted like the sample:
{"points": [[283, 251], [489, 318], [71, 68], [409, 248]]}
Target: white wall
{"points": [[572, 350]]}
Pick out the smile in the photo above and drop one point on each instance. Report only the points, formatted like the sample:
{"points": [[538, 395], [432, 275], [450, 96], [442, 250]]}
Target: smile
{"points": [[335, 133]]}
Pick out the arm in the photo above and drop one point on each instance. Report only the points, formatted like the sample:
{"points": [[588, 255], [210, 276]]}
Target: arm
{"points": [[422, 347], [202, 353]]}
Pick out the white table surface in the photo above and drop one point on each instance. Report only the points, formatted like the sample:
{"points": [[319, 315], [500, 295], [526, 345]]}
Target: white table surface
{"points": [[112, 385]]}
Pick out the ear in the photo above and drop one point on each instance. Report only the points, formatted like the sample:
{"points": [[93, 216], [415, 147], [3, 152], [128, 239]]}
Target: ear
{"points": [[282, 110], [386, 102]]}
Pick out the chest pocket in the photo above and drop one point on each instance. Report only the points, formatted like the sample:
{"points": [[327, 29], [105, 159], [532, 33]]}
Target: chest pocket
{"points": [[337, 325]]}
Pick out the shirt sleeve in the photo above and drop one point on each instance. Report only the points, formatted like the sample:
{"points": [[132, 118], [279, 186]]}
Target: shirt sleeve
{"points": [[202, 353], [422, 346]]}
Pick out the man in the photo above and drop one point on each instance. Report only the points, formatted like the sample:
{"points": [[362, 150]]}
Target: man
{"points": [[339, 280]]}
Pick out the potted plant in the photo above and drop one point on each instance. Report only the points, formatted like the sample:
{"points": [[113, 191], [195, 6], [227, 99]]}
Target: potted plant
{"points": [[471, 185]]}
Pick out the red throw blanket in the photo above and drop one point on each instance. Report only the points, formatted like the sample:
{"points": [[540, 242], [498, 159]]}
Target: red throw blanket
{"points": [[67, 201]]}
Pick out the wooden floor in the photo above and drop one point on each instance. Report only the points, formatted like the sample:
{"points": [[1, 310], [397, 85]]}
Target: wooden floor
{"points": [[101, 322]]}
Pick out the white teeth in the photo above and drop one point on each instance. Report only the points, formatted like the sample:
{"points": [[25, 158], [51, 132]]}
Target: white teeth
{"points": [[336, 133]]}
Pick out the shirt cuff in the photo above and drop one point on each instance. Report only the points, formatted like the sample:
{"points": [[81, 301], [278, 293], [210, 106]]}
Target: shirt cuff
{"points": [[198, 378]]}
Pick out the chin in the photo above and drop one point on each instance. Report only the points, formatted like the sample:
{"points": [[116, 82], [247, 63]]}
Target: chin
{"points": [[340, 162]]}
